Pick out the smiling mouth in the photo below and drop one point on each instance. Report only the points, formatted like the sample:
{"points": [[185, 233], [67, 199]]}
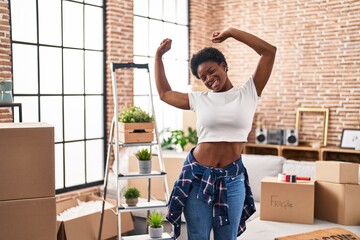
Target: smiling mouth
{"points": [[213, 83]]}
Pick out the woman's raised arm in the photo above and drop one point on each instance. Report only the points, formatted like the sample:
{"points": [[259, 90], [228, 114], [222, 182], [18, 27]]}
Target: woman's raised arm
{"points": [[174, 98], [266, 51]]}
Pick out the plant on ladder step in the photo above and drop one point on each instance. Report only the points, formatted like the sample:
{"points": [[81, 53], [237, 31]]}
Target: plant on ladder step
{"points": [[156, 224], [144, 156]]}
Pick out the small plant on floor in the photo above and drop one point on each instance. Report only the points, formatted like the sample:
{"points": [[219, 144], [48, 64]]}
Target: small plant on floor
{"points": [[156, 222], [131, 195]]}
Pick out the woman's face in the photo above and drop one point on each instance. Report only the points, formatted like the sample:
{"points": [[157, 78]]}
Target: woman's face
{"points": [[213, 75]]}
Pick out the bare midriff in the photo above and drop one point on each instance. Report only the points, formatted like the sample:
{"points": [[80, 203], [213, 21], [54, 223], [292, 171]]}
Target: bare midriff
{"points": [[217, 154]]}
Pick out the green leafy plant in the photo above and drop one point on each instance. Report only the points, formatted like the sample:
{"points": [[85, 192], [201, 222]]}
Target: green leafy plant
{"points": [[155, 219], [143, 154], [134, 114], [192, 136], [131, 192], [178, 138]]}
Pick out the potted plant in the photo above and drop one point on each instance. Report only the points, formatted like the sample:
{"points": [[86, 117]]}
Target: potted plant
{"points": [[178, 140], [132, 195], [144, 156], [156, 224], [135, 125]]}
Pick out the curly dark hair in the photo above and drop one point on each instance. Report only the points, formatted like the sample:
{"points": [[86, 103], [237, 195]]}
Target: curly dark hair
{"points": [[204, 55]]}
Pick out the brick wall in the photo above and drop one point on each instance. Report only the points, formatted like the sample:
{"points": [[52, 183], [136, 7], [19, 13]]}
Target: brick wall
{"points": [[317, 63], [5, 53], [119, 48]]}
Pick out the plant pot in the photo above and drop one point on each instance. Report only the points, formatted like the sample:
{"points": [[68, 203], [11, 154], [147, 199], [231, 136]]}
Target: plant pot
{"points": [[131, 201], [144, 166], [136, 132], [156, 232]]}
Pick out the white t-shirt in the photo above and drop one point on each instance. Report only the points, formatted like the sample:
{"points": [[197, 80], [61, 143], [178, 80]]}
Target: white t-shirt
{"points": [[225, 116]]}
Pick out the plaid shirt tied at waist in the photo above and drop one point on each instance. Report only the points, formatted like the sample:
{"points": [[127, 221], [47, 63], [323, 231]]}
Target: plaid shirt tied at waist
{"points": [[212, 191]]}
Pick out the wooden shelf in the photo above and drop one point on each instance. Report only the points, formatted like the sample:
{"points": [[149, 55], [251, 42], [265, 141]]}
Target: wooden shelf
{"points": [[340, 154], [304, 153], [262, 149], [300, 153]]}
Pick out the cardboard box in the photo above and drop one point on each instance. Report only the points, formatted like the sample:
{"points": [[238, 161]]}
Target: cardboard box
{"points": [[329, 233], [28, 219], [87, 227], [337, 172], [339, 203], [287, 202], [27, 167]]}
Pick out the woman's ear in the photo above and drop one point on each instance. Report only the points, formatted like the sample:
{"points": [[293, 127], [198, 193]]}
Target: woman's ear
{"points": [[224, 66]]}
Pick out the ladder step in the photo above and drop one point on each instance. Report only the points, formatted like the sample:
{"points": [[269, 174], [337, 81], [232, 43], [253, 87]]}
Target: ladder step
{"points": [[143, 205], [133, 175], [135, 144], [165, 236]]}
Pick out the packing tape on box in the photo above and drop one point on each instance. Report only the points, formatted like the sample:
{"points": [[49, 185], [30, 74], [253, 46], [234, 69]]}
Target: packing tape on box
{"points": [[291, 178]]}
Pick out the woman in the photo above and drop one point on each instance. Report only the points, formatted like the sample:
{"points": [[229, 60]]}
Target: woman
{"points": [[212, 190]]}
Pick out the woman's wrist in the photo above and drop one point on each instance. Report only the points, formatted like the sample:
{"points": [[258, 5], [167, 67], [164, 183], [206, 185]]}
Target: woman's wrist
{"points": [[229, 32], [158, 57]]}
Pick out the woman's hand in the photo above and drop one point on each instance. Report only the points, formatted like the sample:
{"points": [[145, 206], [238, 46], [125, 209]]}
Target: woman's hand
{"points": [[218, 37], [165, 46]]}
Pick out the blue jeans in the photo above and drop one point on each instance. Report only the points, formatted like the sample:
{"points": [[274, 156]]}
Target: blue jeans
{"points": [[199, 215]]}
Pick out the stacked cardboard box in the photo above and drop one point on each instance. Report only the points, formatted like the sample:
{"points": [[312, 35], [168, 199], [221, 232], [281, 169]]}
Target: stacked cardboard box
{"points": [[287, 202], [337, 192], [86, 227], [27, 181]]}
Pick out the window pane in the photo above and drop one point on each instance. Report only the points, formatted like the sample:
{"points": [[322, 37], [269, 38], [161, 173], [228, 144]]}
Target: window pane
{"points": [[152, 75], [141, 7], [181, 45], [74, 164], [74, 118], [94, 28], [25, 66], [72, 24], [182, 75], [50, 70], [170, 32], [175, 74], [73, 71], [51, 112], [94, 117], [156, 9], [23, 20], [94, 72], [141, 32], [94, 160], [94, 2], [156, 36], [30, 109], [182, 12], [141, 78], [143, 102], [59, 166], [50, 22], [169, 10]]}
